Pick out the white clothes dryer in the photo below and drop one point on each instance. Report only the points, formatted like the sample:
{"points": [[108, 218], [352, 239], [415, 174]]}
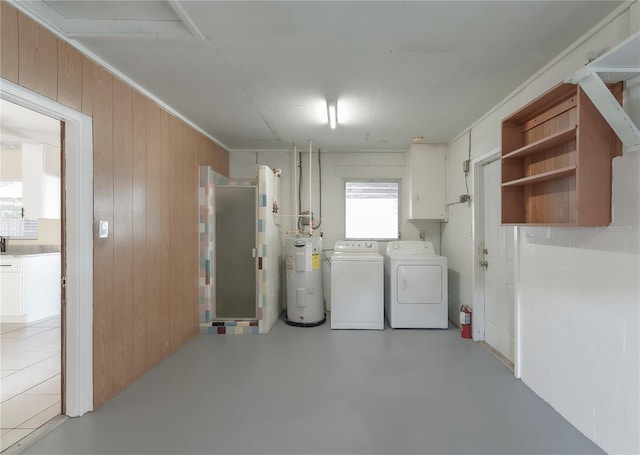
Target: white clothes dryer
{"points": [[357, 286], [415, 286]]}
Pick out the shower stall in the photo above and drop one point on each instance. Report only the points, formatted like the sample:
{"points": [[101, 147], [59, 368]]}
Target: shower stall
{"points": [[240, 252]]}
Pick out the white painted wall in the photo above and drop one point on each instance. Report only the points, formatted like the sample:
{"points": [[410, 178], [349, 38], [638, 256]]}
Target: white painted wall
{"points": [[336, 168], [456, 232], [578, 287]]}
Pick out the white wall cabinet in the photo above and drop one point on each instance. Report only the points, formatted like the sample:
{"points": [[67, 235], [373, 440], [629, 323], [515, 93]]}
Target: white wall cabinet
{"points": [[425, 182], [29, 287], [40, 181]]}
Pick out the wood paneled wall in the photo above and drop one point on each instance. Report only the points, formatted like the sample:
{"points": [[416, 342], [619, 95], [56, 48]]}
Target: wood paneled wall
{"points": [[145, 185]]}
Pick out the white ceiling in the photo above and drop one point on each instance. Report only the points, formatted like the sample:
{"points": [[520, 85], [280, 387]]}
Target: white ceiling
{"points": [[256, 75], [19, 125]]}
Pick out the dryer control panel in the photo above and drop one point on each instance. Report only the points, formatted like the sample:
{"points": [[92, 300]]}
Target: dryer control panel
{"points": [[417, 247]]}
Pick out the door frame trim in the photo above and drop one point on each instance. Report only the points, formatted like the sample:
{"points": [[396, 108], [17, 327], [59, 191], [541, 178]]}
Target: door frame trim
{"points": [[78, 178], [477, 228]]}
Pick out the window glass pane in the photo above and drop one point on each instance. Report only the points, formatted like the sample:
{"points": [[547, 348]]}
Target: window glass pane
{"points": [[371, 210], [12, 221]]}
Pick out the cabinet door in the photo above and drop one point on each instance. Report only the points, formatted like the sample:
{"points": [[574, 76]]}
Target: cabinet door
{"points": [[41, 181], [10, 293], [42, 290], [426, 175]]}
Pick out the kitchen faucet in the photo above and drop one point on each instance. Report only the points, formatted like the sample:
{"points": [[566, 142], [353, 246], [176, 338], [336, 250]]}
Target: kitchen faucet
{"points": [[3, 244]]}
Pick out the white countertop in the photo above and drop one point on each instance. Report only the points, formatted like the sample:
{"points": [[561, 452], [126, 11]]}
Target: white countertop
{"points": [[19, 254]]}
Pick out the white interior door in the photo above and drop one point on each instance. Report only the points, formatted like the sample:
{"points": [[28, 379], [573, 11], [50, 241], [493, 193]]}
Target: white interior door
{"points": [[499, 291]]}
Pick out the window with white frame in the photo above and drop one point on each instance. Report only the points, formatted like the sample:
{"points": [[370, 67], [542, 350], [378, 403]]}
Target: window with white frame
{"points": [[371, 210]]}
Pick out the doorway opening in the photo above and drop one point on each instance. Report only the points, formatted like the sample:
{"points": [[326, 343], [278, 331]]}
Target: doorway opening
{"points": [[32, 267], [77, 213]]}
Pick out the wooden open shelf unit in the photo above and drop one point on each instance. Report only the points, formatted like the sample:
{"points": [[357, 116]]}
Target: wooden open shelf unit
{"points": [[557, 156]]}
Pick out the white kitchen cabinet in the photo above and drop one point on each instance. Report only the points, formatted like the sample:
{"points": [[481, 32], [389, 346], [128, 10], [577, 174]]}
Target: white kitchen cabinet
{"points": [[10, 285], [40, 181], [29, 287], [425, 182]]}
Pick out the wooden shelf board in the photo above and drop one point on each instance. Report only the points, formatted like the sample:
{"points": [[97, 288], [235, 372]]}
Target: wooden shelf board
{"points": [[542, 177], [559, 138]]}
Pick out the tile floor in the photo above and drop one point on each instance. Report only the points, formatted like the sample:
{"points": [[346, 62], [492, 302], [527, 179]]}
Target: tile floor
{"points": [[30, 382]]}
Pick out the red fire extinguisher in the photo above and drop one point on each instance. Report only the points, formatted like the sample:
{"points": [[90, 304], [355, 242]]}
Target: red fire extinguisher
{"points": [[465, 321]]}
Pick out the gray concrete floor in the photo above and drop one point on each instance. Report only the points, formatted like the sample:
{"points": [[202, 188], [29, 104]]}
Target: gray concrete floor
{"points": [[318, 391]]}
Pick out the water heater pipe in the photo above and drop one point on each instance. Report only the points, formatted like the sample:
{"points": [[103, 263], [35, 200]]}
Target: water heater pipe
{"points": [[295, 186], [310, 189]]}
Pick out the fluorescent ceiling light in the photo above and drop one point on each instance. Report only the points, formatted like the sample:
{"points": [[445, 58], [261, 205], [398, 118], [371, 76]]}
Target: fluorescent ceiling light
{"points": [[333, 120]]}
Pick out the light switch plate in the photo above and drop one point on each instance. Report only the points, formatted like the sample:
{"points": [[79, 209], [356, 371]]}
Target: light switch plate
{"points": [[103, 231]]}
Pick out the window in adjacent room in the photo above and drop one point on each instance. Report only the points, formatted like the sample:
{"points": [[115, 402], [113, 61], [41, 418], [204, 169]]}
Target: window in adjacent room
{"points": [[371, 210]]}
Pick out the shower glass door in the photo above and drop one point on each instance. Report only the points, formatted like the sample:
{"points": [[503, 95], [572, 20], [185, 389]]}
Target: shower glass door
{"points": [[235, 252]]}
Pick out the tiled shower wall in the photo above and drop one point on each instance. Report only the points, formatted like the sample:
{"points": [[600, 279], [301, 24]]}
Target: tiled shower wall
{"points": [[269, 247], [207, 236]]}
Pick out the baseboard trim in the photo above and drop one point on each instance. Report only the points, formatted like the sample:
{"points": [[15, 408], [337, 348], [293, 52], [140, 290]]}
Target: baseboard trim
{"points": [[497, 355]]}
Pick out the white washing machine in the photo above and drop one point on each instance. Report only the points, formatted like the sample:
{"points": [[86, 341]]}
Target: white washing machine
{"points": [[415, 286], [357, 286]]}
